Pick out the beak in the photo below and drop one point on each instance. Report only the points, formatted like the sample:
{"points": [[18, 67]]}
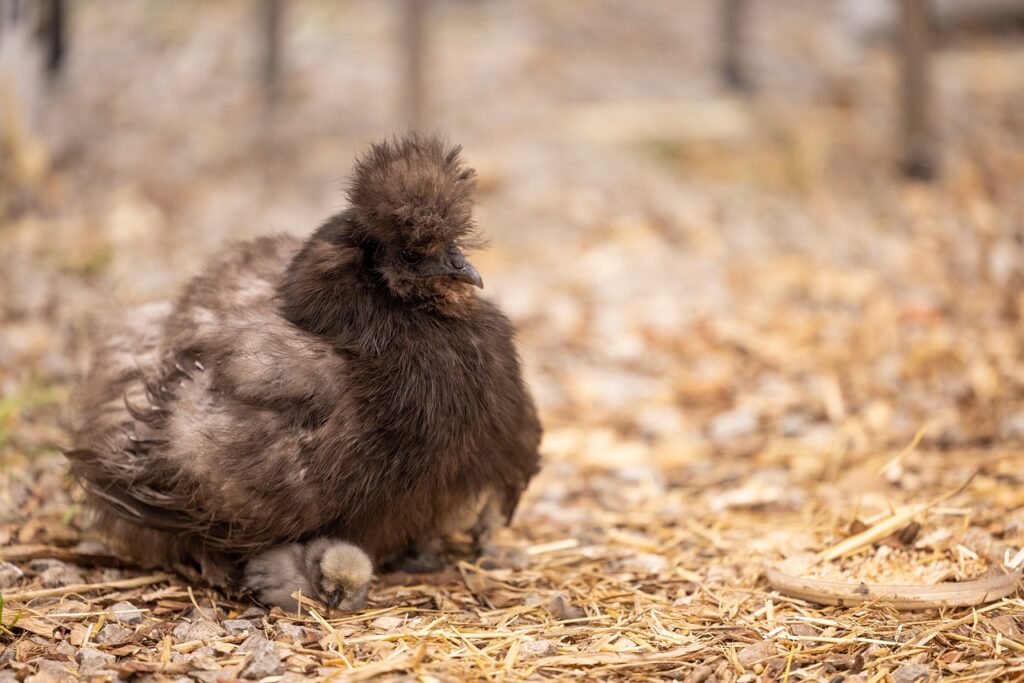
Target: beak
{"points": [[462, 270], [468, 274]]}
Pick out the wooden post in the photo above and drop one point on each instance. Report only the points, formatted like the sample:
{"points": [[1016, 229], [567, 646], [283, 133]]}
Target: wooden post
{"points": [[413, 55], [52, 34], [920, 158], [271, 19], [732, 17], [23, 152]]}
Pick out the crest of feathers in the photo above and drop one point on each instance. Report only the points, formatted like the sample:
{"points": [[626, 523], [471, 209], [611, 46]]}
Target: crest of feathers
{"points": [[413, 190]]}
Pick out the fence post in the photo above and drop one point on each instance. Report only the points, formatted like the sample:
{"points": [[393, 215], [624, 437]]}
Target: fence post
{"points": [[271, 20], [732, 15], [920, 159], [413, 53]]}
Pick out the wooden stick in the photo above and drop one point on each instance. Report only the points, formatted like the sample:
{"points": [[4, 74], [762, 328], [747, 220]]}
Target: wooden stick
{"points": [[24, 553], [87, 587], [902, 597]]}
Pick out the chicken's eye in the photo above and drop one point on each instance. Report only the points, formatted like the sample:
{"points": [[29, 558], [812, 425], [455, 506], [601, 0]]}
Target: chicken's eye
{"points": [[411, 256]]}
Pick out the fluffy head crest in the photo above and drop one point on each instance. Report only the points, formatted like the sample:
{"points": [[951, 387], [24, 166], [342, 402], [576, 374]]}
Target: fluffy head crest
{"points": [[413, 190]]}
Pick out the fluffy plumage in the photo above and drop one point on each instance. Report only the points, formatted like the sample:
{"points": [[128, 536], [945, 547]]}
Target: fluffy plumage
{"points": [[352, 387], [335, 572]]}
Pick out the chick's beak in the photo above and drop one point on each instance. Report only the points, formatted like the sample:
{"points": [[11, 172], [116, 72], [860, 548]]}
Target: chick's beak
{"points": [[462, 270]]}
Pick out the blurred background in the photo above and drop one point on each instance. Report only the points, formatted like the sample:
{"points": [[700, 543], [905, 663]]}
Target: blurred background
{"points": [[783, 231]]}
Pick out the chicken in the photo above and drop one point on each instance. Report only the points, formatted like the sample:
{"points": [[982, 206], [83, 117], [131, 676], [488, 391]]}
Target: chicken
{"points": [[302, 403]]}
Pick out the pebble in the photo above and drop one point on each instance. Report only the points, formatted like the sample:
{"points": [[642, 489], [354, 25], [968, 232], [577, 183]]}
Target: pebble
{"points": [[300, 634], [534, 649], [386, 623], [251, 643], [91, 661], [560, 609], [909, 673], [700, 674], [113, 634], [199, 630], [10, 575], [756, 652], [734, 424], [263, 661], [60, 574], [126, 613], [802, 629], [66, 649], [203, 659], [644, 563], [50, 671], [238, 626]]}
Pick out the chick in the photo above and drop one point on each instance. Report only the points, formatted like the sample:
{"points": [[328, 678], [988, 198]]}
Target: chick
{"points": [[352, 386], [335, 572]]}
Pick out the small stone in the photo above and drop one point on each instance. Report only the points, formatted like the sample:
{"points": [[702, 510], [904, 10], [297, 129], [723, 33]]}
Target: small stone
{"points": [[643, 563], [66, 649], [702, 673], [756, 652], [113, 634], [10, 575], [561, 610], [386, 623], [293, 677], [91, 661], [252, 643], [60, 574], [50, 671], [109, 574], [1012, 426], [200, 630], [237, 627], [204, 659], [802, 629], [126, 613], [534, 649], [263, 661], [300, 634], [908, 673], [734, 424]]}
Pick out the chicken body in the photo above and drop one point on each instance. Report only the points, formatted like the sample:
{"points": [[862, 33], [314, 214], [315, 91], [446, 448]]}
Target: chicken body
{"points": [[306, 390]]}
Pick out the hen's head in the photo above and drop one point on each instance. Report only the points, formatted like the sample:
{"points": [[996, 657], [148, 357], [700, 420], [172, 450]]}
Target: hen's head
{"points": [[412, 213]]}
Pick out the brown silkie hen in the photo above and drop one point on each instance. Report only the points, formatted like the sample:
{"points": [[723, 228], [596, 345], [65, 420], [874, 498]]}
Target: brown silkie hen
{"points": [[307, 408]]}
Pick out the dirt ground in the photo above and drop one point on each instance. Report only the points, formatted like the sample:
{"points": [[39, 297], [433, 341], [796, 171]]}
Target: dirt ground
{"points": [[761, 357]]}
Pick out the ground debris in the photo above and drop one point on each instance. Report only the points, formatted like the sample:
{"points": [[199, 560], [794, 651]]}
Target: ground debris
{"points": [[752, 347]]}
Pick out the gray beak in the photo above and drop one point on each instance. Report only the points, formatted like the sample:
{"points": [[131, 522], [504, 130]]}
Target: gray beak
{"points": [[467, 273], [463, 271]]}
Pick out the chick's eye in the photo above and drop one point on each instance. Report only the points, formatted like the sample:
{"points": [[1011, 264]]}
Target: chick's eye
{"points": [[410, 256]]}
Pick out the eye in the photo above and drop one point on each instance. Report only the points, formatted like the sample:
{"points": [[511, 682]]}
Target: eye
{"points": [[411, 256]]}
